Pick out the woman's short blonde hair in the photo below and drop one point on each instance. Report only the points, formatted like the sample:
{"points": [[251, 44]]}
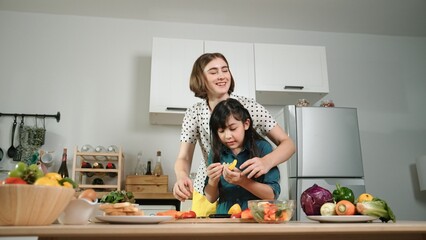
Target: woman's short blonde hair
{"points": [[197, 82]]}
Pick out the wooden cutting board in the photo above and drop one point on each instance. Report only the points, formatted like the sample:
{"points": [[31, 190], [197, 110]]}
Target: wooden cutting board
{"points": [[214, 220]]}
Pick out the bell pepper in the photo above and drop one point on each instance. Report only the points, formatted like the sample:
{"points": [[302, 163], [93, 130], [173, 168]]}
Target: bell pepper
{"points": [[343, 193]]}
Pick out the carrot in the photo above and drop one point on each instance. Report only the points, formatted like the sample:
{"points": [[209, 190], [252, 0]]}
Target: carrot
{"points": [[345, 207]]}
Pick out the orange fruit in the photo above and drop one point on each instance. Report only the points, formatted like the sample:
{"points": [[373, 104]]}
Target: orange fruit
{"points": [[235, 209], [365, 197]]}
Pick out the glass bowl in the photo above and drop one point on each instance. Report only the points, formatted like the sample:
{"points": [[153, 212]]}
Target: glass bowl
{"points": [[271, 211]]}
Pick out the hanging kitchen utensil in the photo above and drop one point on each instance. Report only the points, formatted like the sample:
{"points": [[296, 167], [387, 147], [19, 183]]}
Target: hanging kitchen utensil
{"points": [[11, 152], [19, 148], [38, 135], [1, 154]]}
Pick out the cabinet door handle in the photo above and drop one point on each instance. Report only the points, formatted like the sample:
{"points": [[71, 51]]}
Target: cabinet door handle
{"points": [[176, 109], [294, 87]]}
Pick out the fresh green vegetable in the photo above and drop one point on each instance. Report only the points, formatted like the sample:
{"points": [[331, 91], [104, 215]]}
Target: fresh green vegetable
{"points": [[343, 193], [328, 209], [378, 208], [118, 196]]}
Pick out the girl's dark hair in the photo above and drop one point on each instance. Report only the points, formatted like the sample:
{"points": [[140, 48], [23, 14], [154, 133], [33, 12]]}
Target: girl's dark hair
{"points": [[197, 81], [218, 119]]}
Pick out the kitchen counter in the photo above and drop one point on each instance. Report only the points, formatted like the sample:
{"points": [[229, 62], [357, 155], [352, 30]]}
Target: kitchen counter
{"points": [[179, 230]]}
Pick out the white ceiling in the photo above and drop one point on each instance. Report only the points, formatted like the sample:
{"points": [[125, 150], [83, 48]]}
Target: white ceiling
{"points": [[384, 17]]}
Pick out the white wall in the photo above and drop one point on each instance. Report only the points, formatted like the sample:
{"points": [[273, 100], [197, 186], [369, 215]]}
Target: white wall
{"points": [[96, 72]]}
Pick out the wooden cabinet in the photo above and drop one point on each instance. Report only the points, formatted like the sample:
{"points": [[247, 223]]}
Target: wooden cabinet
{"points": [[172, 61], [286, 73], [85, 177], [147, 184]]}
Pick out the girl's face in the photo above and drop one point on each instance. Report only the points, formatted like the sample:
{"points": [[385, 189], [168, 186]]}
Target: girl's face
{"points": [[232, 135], [218, 77]]}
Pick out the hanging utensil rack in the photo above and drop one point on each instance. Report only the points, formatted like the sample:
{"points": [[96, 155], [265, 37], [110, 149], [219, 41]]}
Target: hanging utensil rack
{"points": [[57, 115]]}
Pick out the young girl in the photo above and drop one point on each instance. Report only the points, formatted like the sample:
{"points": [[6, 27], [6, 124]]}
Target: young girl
{"points": [[233, 137]]}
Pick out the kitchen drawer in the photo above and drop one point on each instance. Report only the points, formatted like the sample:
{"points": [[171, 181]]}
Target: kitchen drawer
{"points": [[147, 184]]}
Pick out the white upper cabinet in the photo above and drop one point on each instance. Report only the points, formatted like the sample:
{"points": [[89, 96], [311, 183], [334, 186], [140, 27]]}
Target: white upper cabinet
{"points": [[241, 63], [286, 73], [171, 67]]}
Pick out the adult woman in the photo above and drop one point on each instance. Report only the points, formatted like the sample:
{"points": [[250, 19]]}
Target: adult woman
{"points": [[212, 81]]}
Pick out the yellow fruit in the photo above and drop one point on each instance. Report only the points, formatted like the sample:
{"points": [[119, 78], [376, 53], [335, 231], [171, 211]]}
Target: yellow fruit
{"points": [[232, 165], [53, 176], [235, 209], [365, 197], [45, 181]]}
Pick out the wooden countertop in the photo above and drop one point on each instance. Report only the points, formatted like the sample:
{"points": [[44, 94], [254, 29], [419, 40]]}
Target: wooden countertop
{"points": [[177, 230]]}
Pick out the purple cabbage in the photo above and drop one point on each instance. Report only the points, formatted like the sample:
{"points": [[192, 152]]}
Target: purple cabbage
{"points": [[313, 198]]}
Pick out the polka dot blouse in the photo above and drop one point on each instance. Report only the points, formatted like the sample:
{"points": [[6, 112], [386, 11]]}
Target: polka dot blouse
{"points": [[195, 128]]}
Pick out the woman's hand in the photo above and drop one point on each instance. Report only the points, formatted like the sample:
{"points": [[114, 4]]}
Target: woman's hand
{"points": [[255, 167], [214, 171], [182, 190]]}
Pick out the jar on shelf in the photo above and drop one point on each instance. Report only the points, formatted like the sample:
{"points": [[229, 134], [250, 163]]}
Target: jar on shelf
{"points": [[100, 149]]}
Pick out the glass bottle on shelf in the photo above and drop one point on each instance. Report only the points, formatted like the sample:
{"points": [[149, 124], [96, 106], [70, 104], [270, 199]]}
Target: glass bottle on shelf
{"points": [[140, 167], [158, 169], [63, 169], [148, 169], [111, 165], [85, 164], [97, 165], [87, 148]]}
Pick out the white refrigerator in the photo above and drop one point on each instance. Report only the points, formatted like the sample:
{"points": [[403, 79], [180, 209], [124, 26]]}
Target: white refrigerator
{"points": [[328, 150]]}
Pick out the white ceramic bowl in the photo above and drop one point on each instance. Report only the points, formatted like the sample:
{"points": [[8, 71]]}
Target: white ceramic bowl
{"points": [[78, 212]]}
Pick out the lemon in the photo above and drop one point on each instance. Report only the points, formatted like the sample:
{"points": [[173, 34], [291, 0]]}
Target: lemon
{"points": [[53, 176], [235, 209], [45, 181]]}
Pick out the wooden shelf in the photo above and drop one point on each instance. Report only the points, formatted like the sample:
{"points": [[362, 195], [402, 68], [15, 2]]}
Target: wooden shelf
{"points": [[111, 183]]}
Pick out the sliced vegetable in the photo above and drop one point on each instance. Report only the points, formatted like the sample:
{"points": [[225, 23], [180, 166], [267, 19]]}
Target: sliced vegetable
{"points": [[378, 208], [345, 207], [343, 193], [313, 198], [328, 209], [232, 165]]}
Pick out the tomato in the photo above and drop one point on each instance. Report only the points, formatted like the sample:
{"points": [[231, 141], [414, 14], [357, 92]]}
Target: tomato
{"points": [[188, 214], [246, 214], [14, 180], [236, 215]]}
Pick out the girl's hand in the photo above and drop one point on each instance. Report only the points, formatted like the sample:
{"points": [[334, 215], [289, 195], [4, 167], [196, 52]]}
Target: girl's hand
{"points": [[255, 167], [182, 190], [233, 176], [214, 171]]}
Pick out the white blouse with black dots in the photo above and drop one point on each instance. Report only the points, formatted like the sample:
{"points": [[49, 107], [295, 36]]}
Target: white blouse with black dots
{"points": [[195, 127]]}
